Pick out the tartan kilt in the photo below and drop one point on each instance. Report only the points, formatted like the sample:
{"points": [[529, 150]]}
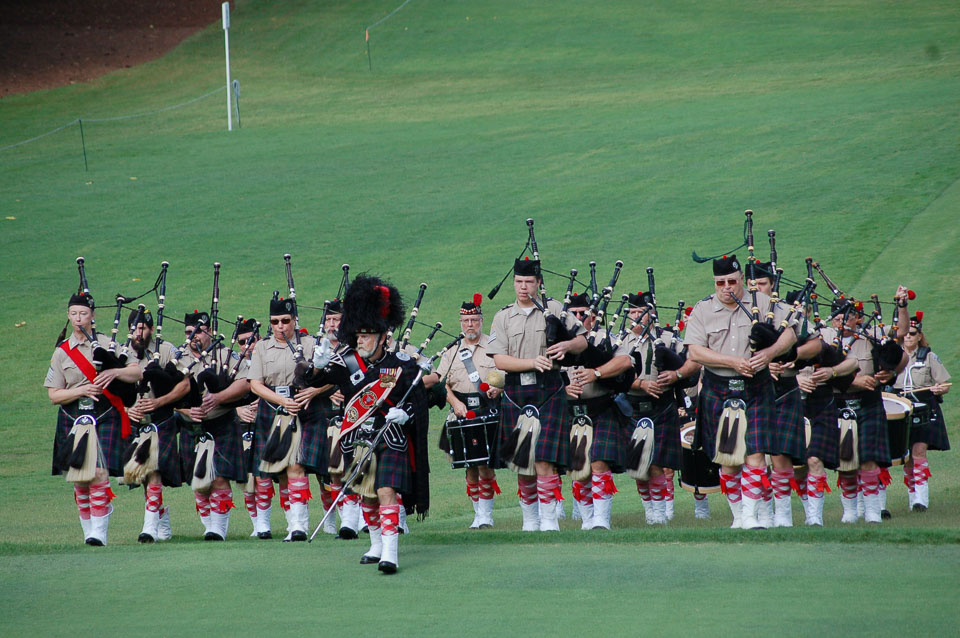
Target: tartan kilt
{"points": [[108, 434], [821, 409], [609, 437], [761, 410], [168, 462], [266, 412], [393, 468], [187, 454], [667, 451], [553, 444], [788, 435], [249, 462], [933, 431], [873, 443], [313, 455]]}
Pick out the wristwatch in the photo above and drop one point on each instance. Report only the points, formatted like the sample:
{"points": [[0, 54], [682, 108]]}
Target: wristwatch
{"points": [[679, 376], [597, 373]]}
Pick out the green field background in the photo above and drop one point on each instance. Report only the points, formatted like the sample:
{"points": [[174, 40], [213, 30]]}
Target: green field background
{"points": [[628, 130]]}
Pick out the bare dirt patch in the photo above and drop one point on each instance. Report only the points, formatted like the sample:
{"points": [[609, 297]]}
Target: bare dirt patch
{"points": [[50, 43]]}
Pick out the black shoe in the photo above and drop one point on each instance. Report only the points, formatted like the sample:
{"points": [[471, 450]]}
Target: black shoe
{"points": [[387, 567], [919, 508], [264, 536], [146, 538], [212, 536], [885, 515], [93, 542], [347, 534], [369, 560], [298, 536]]}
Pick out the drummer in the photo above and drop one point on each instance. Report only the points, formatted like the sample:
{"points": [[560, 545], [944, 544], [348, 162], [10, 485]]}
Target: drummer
{"points": [[469, 396], [923, 381]]}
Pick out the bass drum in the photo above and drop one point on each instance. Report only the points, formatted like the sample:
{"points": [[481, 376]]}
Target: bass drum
{"points": [[697, 472], [899, 411]]}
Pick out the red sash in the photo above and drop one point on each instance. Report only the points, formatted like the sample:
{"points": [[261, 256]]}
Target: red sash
{"points": [[91, 373]]}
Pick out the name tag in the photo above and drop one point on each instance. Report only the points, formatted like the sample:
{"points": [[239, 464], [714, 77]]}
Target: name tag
{"points": [[283, 390], [528, 378]]}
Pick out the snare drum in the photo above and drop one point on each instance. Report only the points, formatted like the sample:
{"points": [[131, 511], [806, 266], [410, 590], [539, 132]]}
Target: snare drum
{"points": [[697, 472], [469, 440], [899, 418]]}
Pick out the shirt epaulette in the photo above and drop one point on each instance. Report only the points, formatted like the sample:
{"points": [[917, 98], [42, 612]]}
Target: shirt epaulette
{"points": [[707, 298], [509, 305]]}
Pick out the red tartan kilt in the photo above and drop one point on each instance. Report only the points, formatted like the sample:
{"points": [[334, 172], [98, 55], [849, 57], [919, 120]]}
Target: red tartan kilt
{"points": [[553, 444], [821, 410], [759, 397], [788, 435], [108, 433]]}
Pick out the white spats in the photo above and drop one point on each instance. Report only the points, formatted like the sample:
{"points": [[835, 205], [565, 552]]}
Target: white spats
{"points": [[485, 513], [701, 507], [531, 516], [164, 531], [151, 524]]}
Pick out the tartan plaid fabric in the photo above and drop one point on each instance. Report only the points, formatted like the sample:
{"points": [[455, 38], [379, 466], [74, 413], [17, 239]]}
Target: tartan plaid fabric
{"points": [[932, 431], [553, 444], [108, 433], [314, 455], [821, 409], [788, 436], [393, 468], [168, 461], [761, 410], [872, 440], [187, 455], [667, 450], [609, 437], [266, 412], [228, 446]]}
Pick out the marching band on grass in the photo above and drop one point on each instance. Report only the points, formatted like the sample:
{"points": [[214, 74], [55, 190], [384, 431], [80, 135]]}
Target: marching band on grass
{"points": [[748, 392]]}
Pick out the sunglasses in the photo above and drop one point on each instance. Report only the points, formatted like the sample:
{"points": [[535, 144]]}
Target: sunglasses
{"points": [[726, 282], [913, 333], [243, 341], [579, 313], [277, 322]]}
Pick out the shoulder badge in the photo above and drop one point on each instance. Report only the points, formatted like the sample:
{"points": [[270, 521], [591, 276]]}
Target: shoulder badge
{"points": [[492, 337], [707, 298], [235, 356], [402, 356], [933, 355]]}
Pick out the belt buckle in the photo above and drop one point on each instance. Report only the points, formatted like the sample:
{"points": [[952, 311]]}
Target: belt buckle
{"points": [[853, 404], [473, 402], [86, 404], [528, 378], [579, 410], [645, 406], [737, 385], [283, 390]]}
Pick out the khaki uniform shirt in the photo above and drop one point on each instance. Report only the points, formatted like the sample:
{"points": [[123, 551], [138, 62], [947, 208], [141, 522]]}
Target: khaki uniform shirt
{"points": [[645, 354], [524, 336], [727, 330], [273, 363], [594, 390], [63, 373], [928, 373], [452, 366]]}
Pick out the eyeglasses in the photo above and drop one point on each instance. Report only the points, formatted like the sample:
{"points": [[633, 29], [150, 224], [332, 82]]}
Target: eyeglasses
{"points": [[579, 313], [470, 320], [726, 282], [277, 322]]}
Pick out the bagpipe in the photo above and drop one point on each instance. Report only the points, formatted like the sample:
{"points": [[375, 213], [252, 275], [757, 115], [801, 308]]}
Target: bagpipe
{"points": [[107, 358]]}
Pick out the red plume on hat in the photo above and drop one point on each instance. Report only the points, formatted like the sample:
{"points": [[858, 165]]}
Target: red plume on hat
{"points": [[384, 293], [477, 299], [919, 315]]}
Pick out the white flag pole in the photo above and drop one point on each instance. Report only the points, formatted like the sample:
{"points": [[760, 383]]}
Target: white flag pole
{"points": [[225, 7]]}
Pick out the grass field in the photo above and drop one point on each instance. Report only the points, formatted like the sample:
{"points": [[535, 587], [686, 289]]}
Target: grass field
{"points": [[637, 131]]}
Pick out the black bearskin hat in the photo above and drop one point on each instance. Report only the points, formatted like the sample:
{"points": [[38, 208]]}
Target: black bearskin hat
{"points": [[370, 305]]}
